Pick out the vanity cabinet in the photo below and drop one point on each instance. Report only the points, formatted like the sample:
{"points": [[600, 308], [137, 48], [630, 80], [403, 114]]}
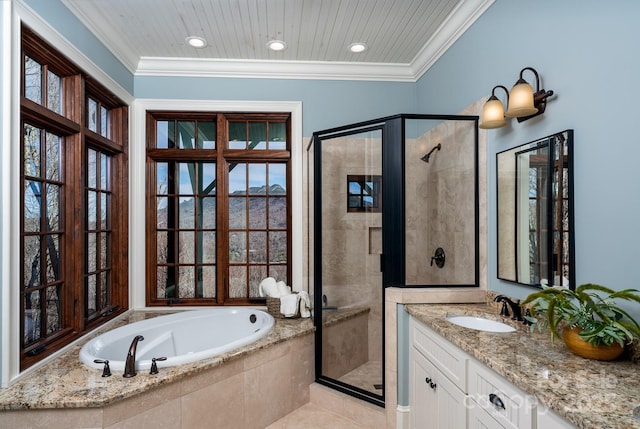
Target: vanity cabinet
{"points": [[438, 379], [449, 389]]}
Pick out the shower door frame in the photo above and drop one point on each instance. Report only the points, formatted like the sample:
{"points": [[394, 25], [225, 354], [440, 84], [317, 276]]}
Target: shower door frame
{"points": [[393, 257]]}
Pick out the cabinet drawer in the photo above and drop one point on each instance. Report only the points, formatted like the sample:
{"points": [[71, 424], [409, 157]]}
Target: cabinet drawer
{"points": [[449, 359], [507, 404]]}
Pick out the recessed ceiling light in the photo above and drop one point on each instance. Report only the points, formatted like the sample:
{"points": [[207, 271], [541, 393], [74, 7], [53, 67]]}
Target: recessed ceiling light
{"points": [[277, 45], [196, 42], [358, 47]]}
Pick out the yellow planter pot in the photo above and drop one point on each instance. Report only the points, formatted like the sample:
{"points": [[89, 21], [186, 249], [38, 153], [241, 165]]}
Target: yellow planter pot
{"points": [[584, 349]]}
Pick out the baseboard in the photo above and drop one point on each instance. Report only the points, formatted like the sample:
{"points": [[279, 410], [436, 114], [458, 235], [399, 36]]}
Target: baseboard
{"points": [[403, 414]]}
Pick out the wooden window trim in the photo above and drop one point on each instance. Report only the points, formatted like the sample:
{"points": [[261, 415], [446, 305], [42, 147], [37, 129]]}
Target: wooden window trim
{"points": [[75, 139], [221, 156]]}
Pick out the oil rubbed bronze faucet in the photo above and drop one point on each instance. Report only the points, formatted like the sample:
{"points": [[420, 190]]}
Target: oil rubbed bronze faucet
{"points": [[515, 307], [130, 363]]}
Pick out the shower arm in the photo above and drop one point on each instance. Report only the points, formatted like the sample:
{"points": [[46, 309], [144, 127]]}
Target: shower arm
{"points": [[425, 158]]}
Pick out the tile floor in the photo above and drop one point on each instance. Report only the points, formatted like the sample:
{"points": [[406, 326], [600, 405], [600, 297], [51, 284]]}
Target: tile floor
{"points": [[365, 376], [311, 416]]}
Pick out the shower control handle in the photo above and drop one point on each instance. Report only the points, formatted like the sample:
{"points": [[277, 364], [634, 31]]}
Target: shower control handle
{"points": [[439, 258]]}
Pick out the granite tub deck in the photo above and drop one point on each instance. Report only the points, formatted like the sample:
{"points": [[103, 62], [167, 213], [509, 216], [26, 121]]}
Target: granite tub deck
{"points": [[224, 391], [587, 393]]}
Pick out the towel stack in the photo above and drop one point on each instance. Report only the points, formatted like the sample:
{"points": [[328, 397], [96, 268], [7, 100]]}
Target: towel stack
{"points": [[290, 303]]}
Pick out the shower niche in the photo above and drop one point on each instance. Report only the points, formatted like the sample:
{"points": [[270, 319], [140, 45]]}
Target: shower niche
{"points": [[391, 202]]}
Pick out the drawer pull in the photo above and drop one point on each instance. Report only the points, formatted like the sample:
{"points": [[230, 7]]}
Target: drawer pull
{"points": [[430, 383], [495, 400]]}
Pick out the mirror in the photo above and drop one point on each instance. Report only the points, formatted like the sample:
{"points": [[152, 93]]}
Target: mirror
{"points": [[535, 212]]}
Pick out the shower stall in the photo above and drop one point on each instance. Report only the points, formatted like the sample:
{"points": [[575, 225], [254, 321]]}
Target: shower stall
{"points": [[391, 202]]}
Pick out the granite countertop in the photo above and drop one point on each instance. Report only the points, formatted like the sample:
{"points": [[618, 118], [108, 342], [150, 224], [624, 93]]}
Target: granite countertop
{"points": [[589, 394], [64, 382]]}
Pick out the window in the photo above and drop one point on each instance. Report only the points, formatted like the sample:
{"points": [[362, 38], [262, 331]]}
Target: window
{"points": [[219, 212], [364, 193], [73, 204]]}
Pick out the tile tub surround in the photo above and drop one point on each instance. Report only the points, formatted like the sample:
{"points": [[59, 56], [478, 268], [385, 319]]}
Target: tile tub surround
{"points": [[589, 394], [278, 366]]}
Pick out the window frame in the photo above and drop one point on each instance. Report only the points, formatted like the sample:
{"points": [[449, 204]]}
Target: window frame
{"points": [[69, 125], [222, 156]]}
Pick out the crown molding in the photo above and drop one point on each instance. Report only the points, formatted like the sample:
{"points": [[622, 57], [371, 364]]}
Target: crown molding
{"points": [[205, 67]]}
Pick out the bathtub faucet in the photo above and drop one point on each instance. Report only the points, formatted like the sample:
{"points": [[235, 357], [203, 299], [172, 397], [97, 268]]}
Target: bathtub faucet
{"points": [[130, 364]]}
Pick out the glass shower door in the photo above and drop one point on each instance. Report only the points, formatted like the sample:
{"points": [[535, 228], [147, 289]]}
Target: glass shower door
{"points": [[350, 302]]}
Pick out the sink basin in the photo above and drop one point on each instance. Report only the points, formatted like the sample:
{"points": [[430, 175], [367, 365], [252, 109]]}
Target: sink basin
{"points": [[480, 324]]}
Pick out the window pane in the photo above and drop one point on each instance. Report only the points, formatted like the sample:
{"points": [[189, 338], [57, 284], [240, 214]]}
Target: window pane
{"points": [[186, 213], [256, 274], [92, 297], [32, 205], [53, 207], [165, 134], [208, 212], [237, 213], [31, 262], [237, 135], [161, 247], [279, 272], [162, 178], [208, 177], [257, 179], [31, 151], [92, 115], [104, 172], [186, 282], [104, 210], [54, 309], [186, 245], [208, 276], [104, 250], [207, 135], [238, 282], [161, 212], [92, 252], [105, 289], [53, 143], [257, 135], [278, 212], [53, 257], [257, 213], [258, 247], [237, 179], [237, 247], [32, 317], [104, 122], [32, 80], [91, 168], [187, 178], [278, 247], [186, 134], [54, 92], [92, 210], [163, 283], [208, 246], [277, 136]]}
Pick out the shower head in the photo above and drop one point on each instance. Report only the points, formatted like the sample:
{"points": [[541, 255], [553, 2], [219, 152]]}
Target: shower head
{"points": [[425, 158]]}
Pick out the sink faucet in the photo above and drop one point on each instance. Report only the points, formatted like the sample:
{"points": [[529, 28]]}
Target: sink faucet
{"points": [[130, 364], [515, 307]]}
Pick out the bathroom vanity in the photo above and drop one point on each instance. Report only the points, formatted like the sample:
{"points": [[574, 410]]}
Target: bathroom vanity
{"points": [[464, 378]]}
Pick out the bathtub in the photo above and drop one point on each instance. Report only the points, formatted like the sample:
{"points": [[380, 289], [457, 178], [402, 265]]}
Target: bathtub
{"points": [[181, 337]]}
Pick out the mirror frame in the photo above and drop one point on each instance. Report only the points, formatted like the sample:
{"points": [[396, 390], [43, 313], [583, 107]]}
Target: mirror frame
{"points": [[507, 217]]}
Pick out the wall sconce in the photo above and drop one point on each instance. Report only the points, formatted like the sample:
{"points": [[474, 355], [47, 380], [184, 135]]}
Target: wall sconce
{"points": [[522, 103]]}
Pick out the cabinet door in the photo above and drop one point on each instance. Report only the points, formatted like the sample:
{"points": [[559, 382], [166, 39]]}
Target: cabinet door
{"points": [[480, 419], [436, 403]]}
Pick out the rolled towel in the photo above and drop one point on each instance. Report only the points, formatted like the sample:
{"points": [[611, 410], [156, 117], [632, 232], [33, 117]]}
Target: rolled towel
{"points": [[268, 287], [283, 289], [305, 304], [289, 304]]}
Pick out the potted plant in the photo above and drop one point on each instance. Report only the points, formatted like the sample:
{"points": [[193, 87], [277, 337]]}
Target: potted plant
{"points": [[593, 325]]}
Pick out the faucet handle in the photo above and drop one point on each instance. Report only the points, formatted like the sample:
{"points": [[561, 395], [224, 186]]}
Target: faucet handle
{"points": [[154, 365], [106, 371]]}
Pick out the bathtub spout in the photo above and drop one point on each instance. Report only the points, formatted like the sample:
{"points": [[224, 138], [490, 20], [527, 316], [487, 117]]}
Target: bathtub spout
{"points": [[130, 363]]}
